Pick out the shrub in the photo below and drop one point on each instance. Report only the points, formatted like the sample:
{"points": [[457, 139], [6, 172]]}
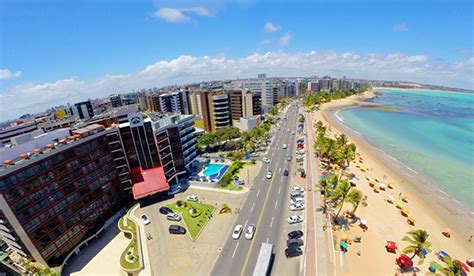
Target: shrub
{"points": [[180, 204]]}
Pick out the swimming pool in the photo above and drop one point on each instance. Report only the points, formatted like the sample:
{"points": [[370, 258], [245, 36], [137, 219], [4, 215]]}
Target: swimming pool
{"points": [[215, 170]]}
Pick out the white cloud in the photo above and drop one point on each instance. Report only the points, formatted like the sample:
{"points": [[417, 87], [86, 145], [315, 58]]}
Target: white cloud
{"points": [[180, 15], [269, 27], [6, 74], [285, 39], [400, 27], [36, 97]]}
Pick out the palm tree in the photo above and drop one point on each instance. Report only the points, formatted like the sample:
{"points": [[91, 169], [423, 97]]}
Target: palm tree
{"points": [[339, 195], [453, 268], [356, 197], [419, 242]]}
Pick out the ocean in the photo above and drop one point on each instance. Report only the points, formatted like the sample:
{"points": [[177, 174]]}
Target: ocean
{"points": [[430, 132]]}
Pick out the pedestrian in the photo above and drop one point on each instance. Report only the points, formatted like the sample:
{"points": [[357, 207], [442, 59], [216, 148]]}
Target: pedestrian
{"points": [[470, 239]]}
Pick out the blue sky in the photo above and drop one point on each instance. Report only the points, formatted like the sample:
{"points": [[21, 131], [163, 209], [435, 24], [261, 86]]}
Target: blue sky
{"points": [[44, 43]]}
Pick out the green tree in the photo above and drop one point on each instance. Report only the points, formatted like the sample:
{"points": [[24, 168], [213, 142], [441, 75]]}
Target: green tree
{"points": [[274, 111], [207, 139], [418, 240], [301, 119], [452, 268], [356, 197], [227, 133], [339, 195]]}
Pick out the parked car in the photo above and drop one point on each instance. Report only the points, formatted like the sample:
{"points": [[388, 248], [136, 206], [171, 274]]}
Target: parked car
{"points": [[250, 232], [165, 210], [266, 160], [295, 219], [293, 252], [297, 206], [255, 154], [297, 189], [192, 198], [293, 133], [286, 172], [295, 234], [269, 175], [300, 158], [294, 243], [145, 219], [288, 158], [296, 194], [173, 217], [285, 146], [176, 229], [175, 190], [296, 200], [237, 232]]}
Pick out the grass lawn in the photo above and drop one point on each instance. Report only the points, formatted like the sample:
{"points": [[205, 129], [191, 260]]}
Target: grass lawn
{"points": [[199, 124], [193, 225], [227, 181], [131, 227]]}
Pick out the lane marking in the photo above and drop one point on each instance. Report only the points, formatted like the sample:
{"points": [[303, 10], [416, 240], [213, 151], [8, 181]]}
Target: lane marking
{"points": [[258, 193], [246, 223], [271, 224], [268, 239], [253, 205], [276, 203], [258, 228], [279, 188], [235, 250]]}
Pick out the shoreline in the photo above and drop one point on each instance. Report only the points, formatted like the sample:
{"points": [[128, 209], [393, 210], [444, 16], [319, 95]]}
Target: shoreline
{"points": [[422, 89], [433, 208]]}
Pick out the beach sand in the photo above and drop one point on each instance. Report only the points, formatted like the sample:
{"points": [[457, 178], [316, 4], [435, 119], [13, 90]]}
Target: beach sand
{"points": [[385, 222]]}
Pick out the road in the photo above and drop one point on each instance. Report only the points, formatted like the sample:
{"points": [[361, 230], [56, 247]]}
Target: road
{"points": [[266, 207]]}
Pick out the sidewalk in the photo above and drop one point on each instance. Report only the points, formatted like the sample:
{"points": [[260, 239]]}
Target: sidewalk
{"points": [[141, 237]]}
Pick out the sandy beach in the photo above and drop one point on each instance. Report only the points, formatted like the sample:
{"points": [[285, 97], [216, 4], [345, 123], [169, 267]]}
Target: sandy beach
{"points": [[432, 210]]}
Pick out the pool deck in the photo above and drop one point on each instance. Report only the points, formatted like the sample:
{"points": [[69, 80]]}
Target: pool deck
{"points": [[219, 175]]}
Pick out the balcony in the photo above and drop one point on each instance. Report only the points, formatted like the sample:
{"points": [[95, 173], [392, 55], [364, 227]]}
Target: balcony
{"points": [[189, 144], [187, 138]]}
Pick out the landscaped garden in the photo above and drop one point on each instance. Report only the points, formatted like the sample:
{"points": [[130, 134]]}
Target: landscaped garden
{"points": [[194, 214], [130, 257]]}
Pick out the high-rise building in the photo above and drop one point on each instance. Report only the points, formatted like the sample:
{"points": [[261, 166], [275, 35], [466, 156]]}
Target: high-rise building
{"points": [[142, 101], [216, 109], [175, 102], [244, 104], [115, 100], [154, 102], [83, 110], [261, 87], [58, 190]]}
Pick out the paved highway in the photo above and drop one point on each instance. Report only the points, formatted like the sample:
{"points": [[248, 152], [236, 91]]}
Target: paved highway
{"points": [[266, 207]]}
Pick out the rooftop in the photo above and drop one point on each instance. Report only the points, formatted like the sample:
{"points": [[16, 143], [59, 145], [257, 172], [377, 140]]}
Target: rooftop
{"points": [[149, 182]]}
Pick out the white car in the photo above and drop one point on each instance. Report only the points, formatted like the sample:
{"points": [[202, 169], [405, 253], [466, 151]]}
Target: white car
{"points": [[297, 206], [292, 133], [192, 198], [145, 219], [237, 232], [296, 200], [285, 146], [269, 175], [300, 151], [250, 232], [266, 160], [295, 219], [297, 189], [296, 194], [173, 217]]}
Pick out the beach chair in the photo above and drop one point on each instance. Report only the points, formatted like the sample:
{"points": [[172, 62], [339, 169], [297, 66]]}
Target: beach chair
{"points": [[404, 212], [405, 199], [391, 246]]}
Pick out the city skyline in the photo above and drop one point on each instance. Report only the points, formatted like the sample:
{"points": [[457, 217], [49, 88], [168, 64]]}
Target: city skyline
{"points": [[90, 50]]}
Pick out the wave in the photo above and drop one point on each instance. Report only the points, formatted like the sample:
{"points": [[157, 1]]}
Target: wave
{"points": [[337, 116]]}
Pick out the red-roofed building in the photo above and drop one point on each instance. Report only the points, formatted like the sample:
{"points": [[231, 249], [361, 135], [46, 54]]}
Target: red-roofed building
{"points": [[149, 182]]}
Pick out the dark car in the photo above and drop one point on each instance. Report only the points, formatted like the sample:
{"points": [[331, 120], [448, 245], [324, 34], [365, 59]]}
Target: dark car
{"points": [[295, 234], [165, 210], [293, 252], [285, 172], [176, 229], [294, 243]]}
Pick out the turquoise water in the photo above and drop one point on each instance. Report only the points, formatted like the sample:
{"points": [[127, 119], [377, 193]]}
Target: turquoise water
{"points": [[212, 169], [433, 134]]}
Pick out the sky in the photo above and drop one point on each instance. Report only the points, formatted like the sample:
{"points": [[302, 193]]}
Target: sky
{"points": [[55, 52]]}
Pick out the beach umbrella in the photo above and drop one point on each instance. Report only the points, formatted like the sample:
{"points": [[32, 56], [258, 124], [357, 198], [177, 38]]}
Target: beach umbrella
{"points": [[446, 232], [411, 220], [404, 211], [399, 204], [463, 266], [404, 261], [390, 198], [382, 186], [443, 255], [345, 236], [344, 245], [391, 246], [363, 222]]}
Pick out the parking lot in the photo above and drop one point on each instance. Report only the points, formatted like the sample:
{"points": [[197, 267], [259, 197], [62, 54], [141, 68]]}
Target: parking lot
{"points": [[178, 254]]}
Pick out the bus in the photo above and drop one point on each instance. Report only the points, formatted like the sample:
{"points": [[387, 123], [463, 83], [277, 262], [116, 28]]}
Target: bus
{"points": [[264, 260]]}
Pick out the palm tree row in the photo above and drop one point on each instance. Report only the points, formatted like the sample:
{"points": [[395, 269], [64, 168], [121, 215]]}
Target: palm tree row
{"points": [[319, 97]]}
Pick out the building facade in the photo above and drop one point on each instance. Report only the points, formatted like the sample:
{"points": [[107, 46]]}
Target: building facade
{"points": [[83, 110], [175, 102], [61, 194], [216, 109], [14, 130]]}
